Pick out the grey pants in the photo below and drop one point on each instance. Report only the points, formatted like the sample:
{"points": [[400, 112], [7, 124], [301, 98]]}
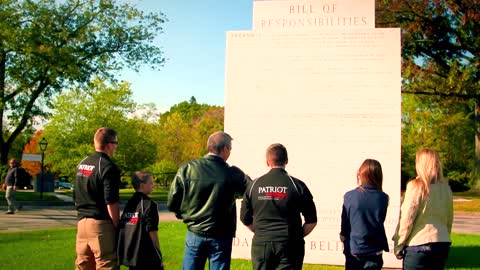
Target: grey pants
{"points": [[10, 196]]}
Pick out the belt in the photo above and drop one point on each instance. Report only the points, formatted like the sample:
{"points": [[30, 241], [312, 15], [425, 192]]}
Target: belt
{"points": [[369, 254], [428, 247]]}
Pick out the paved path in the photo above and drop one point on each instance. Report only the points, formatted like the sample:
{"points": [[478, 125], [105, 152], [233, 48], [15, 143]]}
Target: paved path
{"points": [[33, 217], [464, 222]]}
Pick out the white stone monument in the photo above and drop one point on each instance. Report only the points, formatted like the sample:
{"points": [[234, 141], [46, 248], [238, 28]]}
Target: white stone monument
{"points": [[318, 77]]}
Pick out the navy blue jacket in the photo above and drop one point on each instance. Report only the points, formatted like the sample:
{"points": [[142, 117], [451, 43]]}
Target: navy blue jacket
{"points": [[364, 211], [11, 178]]}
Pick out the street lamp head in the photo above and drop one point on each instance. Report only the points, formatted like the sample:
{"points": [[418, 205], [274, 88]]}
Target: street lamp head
{"points": [[43, 144]]}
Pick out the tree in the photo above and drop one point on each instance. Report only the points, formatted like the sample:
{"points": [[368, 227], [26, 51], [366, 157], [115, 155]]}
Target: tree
{"points": [[17, 150], [184, 130], [47, 46], [79, 113], [443, 125], [32, 147], [440, 49]]}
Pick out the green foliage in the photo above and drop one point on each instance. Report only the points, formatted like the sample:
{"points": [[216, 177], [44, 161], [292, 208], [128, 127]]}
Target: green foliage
{"points": [[440, 41], [459, 181], [445, 125], [47, 46], [440, 63], [163, 172], [126, 182], [187, 110], [79, 113], [159, 148], [184, 130], [17, 147]]}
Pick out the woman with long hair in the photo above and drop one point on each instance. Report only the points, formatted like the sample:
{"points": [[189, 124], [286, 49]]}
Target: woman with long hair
{"points": [[422, 238], [363, 214]]}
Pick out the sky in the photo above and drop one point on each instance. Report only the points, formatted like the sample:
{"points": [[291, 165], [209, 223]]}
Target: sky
{"points": [[193, 43]]}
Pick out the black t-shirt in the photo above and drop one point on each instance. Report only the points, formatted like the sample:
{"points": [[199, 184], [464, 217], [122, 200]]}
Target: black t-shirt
{"points": [[273, 204], [141, 253], [11, 178], [96, 185]]}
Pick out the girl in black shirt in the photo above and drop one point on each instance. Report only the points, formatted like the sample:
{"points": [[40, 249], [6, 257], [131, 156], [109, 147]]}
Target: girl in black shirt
{"points": [[138, 245]]}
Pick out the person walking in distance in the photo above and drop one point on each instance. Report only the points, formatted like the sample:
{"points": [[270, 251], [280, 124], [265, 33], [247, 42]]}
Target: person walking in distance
{"points": [[11, 187], [96, 198], [203, 194], [271, 208]]}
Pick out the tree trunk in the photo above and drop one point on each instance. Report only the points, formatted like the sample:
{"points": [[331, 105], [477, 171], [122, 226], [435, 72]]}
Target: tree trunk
{"points": [[4, 149], [477, 144]]}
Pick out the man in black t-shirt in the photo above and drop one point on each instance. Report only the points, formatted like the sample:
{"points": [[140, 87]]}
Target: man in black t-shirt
{"points": [[96, 199], [11, 186], [271, 209]]}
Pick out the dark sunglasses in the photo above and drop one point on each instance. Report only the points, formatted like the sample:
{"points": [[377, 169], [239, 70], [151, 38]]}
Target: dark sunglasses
{"points": [[114, 142]]}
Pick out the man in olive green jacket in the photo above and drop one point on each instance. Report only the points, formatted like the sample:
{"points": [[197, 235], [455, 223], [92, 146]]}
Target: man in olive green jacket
{"points": [[203, 194]]}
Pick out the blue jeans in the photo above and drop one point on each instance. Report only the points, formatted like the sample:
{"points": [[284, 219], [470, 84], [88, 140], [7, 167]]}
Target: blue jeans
{"points": [[431, 256], [372, 262], [199, 248]]}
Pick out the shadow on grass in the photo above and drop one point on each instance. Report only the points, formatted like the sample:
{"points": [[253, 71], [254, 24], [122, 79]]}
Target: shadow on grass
{"points": [[464, 257]]}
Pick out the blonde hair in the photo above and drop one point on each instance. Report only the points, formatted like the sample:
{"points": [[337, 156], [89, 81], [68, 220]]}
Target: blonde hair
{"points": [[429, 171]]}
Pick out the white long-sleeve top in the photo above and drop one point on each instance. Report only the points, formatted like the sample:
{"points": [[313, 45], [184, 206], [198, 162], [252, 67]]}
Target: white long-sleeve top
{"points": [[424, 221]]}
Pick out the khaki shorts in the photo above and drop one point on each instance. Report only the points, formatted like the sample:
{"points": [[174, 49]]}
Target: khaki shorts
{"points": [[96, 245]]}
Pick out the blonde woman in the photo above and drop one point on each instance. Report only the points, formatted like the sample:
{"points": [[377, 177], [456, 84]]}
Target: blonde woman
{"points": [[422, 238]]}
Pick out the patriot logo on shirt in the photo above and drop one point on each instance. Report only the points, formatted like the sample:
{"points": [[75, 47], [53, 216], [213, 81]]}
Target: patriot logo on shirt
{"points": [[130, 218], [86, 170], [272, 193]]}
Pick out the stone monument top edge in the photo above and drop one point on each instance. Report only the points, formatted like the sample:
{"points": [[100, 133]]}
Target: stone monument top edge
{"points": [[280, 15]]}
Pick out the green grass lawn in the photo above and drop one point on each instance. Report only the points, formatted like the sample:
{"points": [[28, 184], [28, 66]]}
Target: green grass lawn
{"points": [[473, 203], [55, 249], [28, 195], [158, 194]]}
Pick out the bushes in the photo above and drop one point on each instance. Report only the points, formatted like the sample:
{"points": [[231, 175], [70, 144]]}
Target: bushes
{"points": [[163, 172], [460, 181]]}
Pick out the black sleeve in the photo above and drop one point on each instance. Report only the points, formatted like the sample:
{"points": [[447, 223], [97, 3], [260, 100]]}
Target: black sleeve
{"points": [[307, 205], [151, 218], [239, 179], [111, 184], [246, 211], [345, 227], [175, 194]]}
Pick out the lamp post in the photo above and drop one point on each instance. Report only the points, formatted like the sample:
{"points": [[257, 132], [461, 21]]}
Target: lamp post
{"points": [[43, 147]]}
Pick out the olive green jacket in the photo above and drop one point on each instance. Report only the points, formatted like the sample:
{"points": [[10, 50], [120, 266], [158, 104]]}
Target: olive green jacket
{"points": [[203, 194]]}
